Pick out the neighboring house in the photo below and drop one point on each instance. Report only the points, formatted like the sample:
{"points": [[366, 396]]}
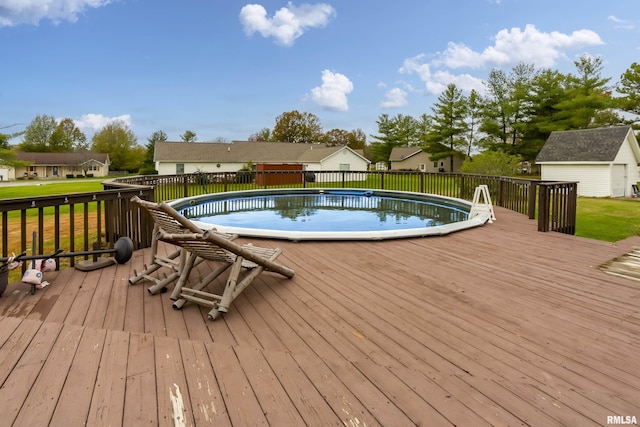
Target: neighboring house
{"points": [[59, 165], [190, 157], [604, 161], [413, 158]]}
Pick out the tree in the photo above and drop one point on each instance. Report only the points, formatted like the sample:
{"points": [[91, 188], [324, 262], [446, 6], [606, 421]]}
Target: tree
{"points": [[336, 137], [398, 131], [119, 141], [548, 91], [473, 117], [629, 85], [447, 135], [297, 127], [357, 139], [588, 94], [4, 141], [494, 163], [67, 137], [263, 134], [507, 107], [148, 164], [189, 136], [37, 137]]}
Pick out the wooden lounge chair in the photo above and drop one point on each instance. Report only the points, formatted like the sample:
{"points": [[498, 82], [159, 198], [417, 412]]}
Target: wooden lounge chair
{"points": [[213, 246], [173, 262]]}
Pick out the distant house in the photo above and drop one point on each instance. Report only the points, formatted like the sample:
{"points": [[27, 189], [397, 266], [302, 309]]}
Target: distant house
{"points": [[190, 157], [413, 158], [604, 161], [60, 165]]}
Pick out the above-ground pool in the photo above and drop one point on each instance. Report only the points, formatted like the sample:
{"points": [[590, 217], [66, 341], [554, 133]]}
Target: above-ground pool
{"points": [[329, 214]]}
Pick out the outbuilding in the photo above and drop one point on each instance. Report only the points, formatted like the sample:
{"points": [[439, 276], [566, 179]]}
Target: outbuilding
{"points": [[604, 161]]}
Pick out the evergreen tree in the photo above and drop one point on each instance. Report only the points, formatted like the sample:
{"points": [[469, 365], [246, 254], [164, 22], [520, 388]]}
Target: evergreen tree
{"points": [[447, 136], [588, 93], [629, 85]]}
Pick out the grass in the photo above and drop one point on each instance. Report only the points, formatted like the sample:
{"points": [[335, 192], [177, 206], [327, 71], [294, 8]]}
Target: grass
{"points": [[608, 219], [49, 189]]}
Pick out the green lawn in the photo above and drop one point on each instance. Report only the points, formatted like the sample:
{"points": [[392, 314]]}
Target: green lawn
{"points": [[48, 188], [608, 219]]}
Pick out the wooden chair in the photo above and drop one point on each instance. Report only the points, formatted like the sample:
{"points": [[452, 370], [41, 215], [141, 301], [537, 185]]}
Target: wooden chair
{"points": [[210, 245]]}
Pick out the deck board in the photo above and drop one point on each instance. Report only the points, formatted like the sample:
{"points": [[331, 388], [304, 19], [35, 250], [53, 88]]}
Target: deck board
{"points": [[498, 325]]}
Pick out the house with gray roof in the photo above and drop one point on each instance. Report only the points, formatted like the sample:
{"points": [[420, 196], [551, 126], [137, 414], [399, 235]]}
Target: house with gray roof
{"points": [[191, 157], [604, 161], [413, 158], [61, 165]]}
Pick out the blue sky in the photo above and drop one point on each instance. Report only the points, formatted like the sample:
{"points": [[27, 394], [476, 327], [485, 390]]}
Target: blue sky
{"points": [[226, 69]]}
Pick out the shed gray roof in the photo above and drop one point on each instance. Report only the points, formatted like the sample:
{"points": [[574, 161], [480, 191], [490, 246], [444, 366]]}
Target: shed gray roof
{"points": [[242, 152], [59, 159], [585, 145]]}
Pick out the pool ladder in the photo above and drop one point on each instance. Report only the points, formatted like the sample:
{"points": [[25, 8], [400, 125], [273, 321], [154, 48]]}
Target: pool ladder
{"points": [[477, 207]]}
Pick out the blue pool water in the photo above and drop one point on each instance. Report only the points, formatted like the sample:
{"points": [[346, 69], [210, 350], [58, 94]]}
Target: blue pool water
{"points": [[300, 214]]}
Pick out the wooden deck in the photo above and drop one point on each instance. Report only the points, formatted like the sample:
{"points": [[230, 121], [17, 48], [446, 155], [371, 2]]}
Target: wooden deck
{"points": [[499, 325]]}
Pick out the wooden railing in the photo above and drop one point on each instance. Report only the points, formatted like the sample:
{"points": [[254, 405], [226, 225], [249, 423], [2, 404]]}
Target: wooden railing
{"points": [[557, 207], [76, 222]]}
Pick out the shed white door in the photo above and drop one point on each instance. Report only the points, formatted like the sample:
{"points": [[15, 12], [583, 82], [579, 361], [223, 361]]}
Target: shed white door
{"points": [[618, 180]]}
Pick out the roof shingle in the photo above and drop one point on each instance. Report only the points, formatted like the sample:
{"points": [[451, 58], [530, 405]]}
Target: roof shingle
{"points": [[584, 145]]}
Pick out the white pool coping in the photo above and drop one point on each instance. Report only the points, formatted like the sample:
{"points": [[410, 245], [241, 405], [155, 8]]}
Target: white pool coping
{"points": [[438, 230]]}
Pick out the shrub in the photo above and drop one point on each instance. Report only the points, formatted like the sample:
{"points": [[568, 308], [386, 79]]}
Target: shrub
{"points": [[309, 177], [494, 163], [70, 175]]}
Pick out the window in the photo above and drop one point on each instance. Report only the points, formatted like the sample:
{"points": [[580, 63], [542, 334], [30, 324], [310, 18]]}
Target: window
{"points": [[179, 168], [435, 164], [422, 166]]}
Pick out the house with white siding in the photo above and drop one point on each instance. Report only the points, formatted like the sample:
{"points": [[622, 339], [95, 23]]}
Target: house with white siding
{"points": [[604, 161], [191, 157]]}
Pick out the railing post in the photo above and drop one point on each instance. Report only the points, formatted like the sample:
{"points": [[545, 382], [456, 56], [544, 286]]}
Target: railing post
{"points": [[533, 192], [185, 185], [543, 207]]}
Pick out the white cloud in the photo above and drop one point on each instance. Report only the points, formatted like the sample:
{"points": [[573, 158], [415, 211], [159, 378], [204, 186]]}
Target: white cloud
{"points": [[418, 66], [15, 12], [90, 123], [530, 46], [332, 94], [394, 98], [288, 23], [621, 24], [510, 47]]}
